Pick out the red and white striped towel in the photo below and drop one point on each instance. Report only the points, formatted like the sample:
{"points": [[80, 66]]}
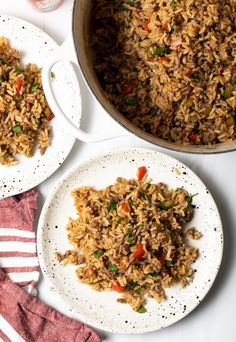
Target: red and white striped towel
{"points": [[23, 317], [18, 256]]}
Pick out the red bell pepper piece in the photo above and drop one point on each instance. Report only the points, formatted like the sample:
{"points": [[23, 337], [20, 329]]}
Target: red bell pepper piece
{"points": [[141, 172], [126, 207], [139, 252], [146, 26], [116, 286], [19, 83]]}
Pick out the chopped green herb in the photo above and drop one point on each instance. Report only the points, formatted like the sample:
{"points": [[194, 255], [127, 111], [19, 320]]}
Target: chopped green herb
{"points": [[148, 186], [121, 220], [129, 233], [142, 224], [17, 129], [112, 268], [133, 223], [197, 76], [3, 60], [174, 2], [159, 51], [131, 202], [153, 274], [18, 70], [131, 100], [142, 46], [97, 253], [166, 205], [142, 310], [1, 79], [133, 285], [122, 8], [169, 263], [190, 198], [129, 237], [175, 29], [6, 155], [52, 75], [34, 87], [111, 205], [228, 92], [138, 288], [145, 196]]}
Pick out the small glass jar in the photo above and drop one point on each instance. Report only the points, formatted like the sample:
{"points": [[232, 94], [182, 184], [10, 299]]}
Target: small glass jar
{"points": [[46, 5]]}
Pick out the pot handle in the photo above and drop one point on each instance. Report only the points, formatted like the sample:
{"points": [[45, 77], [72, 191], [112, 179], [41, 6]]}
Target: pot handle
{"points": [[77, 132]]}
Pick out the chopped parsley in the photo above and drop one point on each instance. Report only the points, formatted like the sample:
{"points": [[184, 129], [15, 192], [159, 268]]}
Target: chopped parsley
{"points": [[133, 223], [166, 205], [122, 8], [3, 60], [133, 285], [142, 309], [17, 129], [145, 196], [131, 100], [153, 274], [120, 220], [34, 87], [97, 253], [169, 263], [111, 205], [112, 268], [159, 51], [6, 155], [190, 198], [129, 237], [18, 70]]}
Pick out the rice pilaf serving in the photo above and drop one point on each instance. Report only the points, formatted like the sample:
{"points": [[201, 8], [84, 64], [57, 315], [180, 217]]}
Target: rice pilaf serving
{"points": [[169, 66], [130, 237], [24, 112]]}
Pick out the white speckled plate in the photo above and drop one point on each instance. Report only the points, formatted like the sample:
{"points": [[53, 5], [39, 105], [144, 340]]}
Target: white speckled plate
{"points": [[101, 309], [36, 47]]}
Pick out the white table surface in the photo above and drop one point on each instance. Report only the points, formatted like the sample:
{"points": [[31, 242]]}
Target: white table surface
{"points": [[215, 318]]}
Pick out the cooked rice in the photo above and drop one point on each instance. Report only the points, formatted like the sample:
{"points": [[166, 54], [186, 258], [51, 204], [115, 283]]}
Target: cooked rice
{"points": [[24, 113], [169, 66], [193, 233], [130, 237]]}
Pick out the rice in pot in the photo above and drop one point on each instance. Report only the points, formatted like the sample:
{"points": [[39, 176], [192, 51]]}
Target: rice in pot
{"points": [[169, 66]]}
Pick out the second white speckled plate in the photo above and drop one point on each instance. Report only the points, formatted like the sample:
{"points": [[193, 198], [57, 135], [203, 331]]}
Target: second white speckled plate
{"points": [[35, 47], [101, 309]]}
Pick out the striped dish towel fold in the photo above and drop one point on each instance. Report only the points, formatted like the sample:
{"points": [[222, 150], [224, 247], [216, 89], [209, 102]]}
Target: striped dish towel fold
{"points": [[18, 256]]}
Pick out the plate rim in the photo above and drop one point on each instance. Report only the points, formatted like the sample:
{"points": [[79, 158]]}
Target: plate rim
{"points": [[39, 240]]}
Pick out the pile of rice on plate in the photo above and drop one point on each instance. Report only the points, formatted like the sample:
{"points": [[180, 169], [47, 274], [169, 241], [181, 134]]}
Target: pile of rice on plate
{"points": [[169, 66], [24, 112], [131, 238]]}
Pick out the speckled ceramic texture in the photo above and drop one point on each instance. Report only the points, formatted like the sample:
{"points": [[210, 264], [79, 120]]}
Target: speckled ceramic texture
{"points": [[100, 309], [36, 47]]}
